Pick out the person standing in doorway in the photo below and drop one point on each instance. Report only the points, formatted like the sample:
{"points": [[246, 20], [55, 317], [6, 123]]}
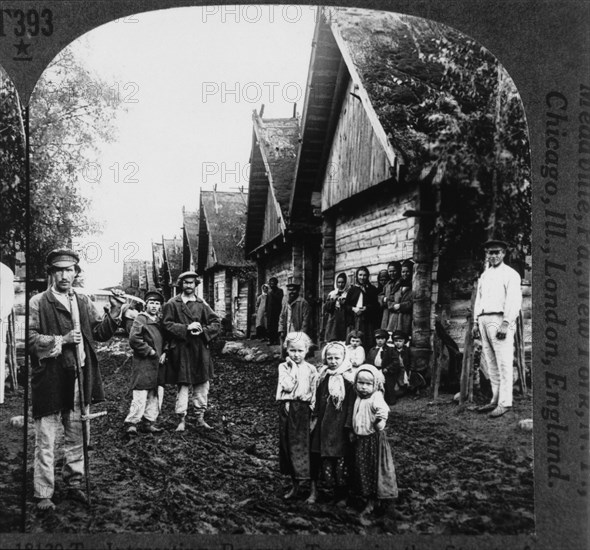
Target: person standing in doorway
{"points": [[295, 314], [362, 306], [190, 325], [274, 304], [497, 304]]}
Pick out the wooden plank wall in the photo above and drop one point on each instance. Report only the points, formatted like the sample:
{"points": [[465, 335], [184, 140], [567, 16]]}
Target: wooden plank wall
{"points": [[357, 160], [271, 220], [240, 306], [375, 235], [219, 297], [279, 265]]}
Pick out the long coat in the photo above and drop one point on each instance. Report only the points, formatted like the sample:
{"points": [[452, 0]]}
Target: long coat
{"points": [[54, 371], [366, 322], [189, 358], [274, 303], [402, 318], [387, 295], [295, 316], [146, 335], [391, 368], [330, 437]]}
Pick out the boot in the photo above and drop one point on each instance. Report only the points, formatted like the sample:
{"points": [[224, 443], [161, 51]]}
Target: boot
{"points": [[201, 421], [181, 424]]}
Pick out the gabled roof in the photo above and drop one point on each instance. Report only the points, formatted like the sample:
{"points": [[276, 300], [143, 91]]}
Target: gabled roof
{"points": [[386, 56], [275, 142], [190, 222], [173, 256], [224, 217]]}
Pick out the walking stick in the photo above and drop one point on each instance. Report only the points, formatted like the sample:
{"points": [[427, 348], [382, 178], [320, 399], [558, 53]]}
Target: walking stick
{"points": [[85, 415]]}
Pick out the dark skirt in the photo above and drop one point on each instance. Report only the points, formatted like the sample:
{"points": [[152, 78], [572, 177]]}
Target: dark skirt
{"points": [[294, 439], [374, 473]]}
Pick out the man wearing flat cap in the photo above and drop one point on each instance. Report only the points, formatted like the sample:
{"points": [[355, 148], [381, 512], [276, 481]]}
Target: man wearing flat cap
{"points": [[497, 304], [189, 324], [295, 312], [146, 339], [63, 327]]}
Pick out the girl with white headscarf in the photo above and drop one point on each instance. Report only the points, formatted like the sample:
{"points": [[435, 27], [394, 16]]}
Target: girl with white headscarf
{"points": [[373, 470], [331, 421]]}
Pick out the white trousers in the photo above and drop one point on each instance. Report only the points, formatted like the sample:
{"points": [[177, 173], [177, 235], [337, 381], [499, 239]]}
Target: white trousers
{"points": [[145, 404], [200, 395], [499, 357], [47, 429]]}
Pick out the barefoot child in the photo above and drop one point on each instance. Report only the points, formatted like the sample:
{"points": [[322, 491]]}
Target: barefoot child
{"points": [[147, 342], [332, 422], [295, 394], [355, 350], [374, 473]]}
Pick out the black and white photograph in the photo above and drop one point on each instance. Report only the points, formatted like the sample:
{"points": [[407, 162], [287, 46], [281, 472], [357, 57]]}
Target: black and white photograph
{"points": [[288, 275]]}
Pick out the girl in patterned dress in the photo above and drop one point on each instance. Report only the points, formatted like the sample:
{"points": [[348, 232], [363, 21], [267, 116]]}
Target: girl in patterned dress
{"points": [[332, 422], [373, 471], [296, 397]]}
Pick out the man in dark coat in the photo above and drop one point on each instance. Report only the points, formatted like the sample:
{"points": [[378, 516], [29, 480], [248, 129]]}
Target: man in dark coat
{"points": [[190, 324], [274, 304], [146, 338], [58, 342]]}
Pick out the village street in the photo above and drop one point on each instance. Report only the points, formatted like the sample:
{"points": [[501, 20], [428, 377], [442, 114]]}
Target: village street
{"points": [[458, 472]]}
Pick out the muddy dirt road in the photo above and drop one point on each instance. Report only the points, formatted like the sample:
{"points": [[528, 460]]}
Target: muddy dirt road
{"points": [[458, 471]]}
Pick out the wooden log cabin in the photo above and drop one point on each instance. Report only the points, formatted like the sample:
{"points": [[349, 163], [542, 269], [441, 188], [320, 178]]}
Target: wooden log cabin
{"points": [[352, 200], [281, 248], [227, 274]]}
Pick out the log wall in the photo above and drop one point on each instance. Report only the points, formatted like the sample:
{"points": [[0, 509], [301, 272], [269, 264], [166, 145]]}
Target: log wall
{"points": [[373, 236]]}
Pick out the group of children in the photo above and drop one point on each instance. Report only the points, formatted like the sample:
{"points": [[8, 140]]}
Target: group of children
{"points": [[332, 423]]}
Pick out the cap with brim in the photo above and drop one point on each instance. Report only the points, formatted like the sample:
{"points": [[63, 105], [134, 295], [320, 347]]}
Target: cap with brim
{"points": [[495, 242], [153, 295], [398, 334], [293, 285], [62, 257], [188, 275], [381, 333]]}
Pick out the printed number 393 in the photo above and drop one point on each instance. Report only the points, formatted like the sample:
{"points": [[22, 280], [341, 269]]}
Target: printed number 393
{"points": [[30, 22]]}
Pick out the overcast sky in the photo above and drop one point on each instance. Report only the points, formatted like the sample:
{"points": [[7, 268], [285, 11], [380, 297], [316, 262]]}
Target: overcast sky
{"points": [[190, 78]]}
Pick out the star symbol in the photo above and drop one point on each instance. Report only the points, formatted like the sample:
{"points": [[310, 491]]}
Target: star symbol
{"points": [[22, 48]]}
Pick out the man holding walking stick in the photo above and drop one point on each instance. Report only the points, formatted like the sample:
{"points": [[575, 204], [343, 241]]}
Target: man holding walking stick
{"points": [[63, 327]]}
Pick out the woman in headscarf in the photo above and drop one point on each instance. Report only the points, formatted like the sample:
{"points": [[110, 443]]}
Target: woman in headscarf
{"points": [[335, 311], [400, 304], [394, 271], [362, 306], [261, 312]]}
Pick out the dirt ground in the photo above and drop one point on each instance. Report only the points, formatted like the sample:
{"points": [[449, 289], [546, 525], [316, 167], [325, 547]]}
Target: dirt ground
{"points": [[458, 471]]}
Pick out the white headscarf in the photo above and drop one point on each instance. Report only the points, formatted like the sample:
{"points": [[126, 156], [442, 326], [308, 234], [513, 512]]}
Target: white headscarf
{"points": [[336, 387], [377, 376]]}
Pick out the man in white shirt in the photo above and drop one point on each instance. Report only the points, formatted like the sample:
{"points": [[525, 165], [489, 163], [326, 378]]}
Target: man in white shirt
{"points": [[497, 304]]}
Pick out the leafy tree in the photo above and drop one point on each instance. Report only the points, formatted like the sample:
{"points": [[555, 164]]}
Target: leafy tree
{"points": [[71, 114], [12, 178], [455, 117]]}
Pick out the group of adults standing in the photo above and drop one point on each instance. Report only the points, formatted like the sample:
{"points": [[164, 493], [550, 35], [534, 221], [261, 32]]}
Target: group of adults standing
{"points": [[63, 330], [359, 306], [365, 307]]}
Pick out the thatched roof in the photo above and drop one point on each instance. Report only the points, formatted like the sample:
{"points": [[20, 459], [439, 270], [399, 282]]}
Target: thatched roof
{"points": [[272, 165], [223, 217], [390, 53]]}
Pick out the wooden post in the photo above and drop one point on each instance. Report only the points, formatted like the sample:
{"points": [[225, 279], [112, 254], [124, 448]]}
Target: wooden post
{"points": [[519, 345], [11, 352], [467, 366]]}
